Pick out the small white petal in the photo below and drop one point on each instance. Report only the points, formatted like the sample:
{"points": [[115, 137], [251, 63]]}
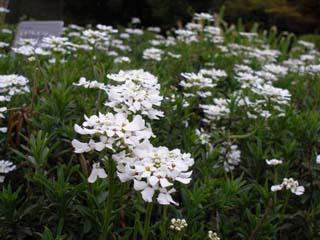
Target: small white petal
{"points": [[275, 188], [147, 194], [93, 176], [165, 183], [139, 185]]}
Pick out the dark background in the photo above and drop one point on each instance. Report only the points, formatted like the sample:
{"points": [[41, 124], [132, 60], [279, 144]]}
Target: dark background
{"points": [[299, 16]]}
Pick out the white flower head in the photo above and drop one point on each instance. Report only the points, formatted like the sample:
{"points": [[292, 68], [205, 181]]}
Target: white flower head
{"points": [[203, 17], [5, 167], [154, 170], [178, 224], [138, 92], [231, 155], [289, 184], [153, 54], [107, 131], [213, 236]]}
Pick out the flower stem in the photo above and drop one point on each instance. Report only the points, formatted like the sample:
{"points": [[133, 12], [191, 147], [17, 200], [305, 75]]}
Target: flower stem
{"points": [[147, 222], [164, 222], [107, 210]]}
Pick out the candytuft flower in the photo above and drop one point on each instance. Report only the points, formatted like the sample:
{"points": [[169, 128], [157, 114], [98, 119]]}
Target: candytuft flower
{"points": [[154, 170], [111, 130], [213, 236], [5, 167], [289, 184], [138, 92], [178, 224]]}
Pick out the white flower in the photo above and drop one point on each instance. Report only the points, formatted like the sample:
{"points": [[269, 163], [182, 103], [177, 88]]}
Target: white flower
{"points": [[110, 130], [153, 54], [278, 95], [274, 162], [96, 172], [134, 31], [90, 84], [231, 155], [11, 85], [213, 236], [154, 29], [318, 159], [5, 167], [121, 60], [289, 184], [138, 93], [105, 28], [275, 188], [186, 36], [204, 138], [276, 69], [95, 38], [135, 20], [218, 110], [154, 170], [306, 44], [203, 17], [6, 31], [178, 224], [4, 44]]}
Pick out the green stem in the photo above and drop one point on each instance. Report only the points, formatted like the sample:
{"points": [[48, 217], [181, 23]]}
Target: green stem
{"points": [[136, 225], [164, 222], [107, 211], [147, 222]]}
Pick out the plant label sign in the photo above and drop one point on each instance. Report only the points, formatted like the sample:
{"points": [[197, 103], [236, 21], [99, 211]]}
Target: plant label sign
{"points": [[37, 30]]}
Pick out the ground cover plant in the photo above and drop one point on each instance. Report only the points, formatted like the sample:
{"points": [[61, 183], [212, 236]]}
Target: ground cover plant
{"points": [[203, 132]]}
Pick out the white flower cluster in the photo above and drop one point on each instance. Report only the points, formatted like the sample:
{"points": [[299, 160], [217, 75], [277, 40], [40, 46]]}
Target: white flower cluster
{"points": [[307, 61], [83, 82], [201, 83], [262, 55], [11, 85], [213, 236], [5, 167], [203, 17], [178, 224], [153, 170], [231, 155], [111, 131], [203, 137], [216, 111], [289, 184], [57, 44], [139, 92], [30, 49], [153, 54], [121, 59], [260, 84]]}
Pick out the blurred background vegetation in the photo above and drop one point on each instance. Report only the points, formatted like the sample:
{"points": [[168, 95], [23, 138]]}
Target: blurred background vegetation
{"points": [[298, 16]]}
